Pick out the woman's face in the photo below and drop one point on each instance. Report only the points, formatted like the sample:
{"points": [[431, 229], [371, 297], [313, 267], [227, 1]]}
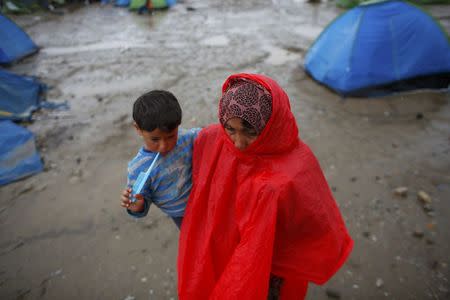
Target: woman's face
{"points": [[240, 132]]}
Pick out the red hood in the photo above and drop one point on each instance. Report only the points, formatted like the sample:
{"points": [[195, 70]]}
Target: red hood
{"points": [[281, 132]]}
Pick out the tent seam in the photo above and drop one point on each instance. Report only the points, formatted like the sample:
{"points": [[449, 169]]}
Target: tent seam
{"points": [[394, 50], [354, 38]]}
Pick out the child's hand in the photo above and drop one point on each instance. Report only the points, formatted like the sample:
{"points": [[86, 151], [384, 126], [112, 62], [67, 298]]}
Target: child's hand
{"points": [[137, 206]]}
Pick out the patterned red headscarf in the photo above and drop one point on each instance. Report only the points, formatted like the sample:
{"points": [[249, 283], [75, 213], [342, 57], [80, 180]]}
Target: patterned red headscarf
{"points": [[247, 100]]}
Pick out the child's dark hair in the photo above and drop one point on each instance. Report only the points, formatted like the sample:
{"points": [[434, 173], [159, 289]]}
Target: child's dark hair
{"points": [[157, 109]]}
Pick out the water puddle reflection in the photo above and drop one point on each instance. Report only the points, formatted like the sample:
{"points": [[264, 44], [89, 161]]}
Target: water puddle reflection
{"points": [[122, 45], [216, 41]]}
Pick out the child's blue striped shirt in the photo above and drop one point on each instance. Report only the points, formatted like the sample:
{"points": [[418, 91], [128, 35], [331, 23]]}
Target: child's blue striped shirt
{"points": [[170, 181]]}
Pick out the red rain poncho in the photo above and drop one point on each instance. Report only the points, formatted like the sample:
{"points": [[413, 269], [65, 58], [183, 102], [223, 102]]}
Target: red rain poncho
{"points": [[267, 209]]}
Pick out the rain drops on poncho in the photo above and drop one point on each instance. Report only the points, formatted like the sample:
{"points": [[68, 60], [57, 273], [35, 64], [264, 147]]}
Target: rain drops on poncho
{"points": [[264, 210]]}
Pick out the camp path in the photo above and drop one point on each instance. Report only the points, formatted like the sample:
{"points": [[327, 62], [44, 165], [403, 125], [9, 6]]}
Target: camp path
{"points": [[63, 233]]}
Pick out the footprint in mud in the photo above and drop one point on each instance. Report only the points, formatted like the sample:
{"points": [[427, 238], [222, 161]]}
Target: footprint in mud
{"points": [[150, 226], [23, 294]]}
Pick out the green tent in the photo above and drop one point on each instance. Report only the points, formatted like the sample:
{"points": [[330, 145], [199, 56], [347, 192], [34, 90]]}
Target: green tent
{"points": [[158, 4], [137, 4], [154, 4]]}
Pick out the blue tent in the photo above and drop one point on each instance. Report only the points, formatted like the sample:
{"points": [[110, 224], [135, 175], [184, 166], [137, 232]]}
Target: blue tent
{"points": [[380, 47], [18, 155], [123, 3], [19, 96], [14, 42]]}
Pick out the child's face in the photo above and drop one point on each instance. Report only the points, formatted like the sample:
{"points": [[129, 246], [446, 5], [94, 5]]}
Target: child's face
{"points": [[158, 140]]}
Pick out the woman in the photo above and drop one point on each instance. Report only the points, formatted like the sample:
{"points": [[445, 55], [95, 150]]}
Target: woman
{"points": [[260, 212]]}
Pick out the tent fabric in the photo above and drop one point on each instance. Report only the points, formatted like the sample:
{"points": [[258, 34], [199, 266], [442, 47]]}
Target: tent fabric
{"points": [[19, 96], [14, 42], [18, 155], [264, 210], [150, 4], [123, 3], [162, 3], [377, 44], [353, 3], [137, 4]]}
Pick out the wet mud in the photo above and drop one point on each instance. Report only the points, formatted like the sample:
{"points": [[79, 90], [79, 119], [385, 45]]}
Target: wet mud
{"points": [[63, 232]]}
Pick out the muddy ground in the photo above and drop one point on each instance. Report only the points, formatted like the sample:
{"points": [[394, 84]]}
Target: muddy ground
{"points": [[63, 234]]}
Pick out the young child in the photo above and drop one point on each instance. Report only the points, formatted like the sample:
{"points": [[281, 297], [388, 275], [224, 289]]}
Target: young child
{"points": [[157, 116]]}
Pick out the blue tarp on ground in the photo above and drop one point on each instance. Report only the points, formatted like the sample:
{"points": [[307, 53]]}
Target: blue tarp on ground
{"points": [[377, 44], [19, 96], [14, 42], [18, 155]]}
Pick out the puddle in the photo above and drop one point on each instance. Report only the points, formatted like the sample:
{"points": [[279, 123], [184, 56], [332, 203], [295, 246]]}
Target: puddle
{"points": [[280, 56], [308, 31], [216, 41], [177, 45], [118, 85], [122, 45]]}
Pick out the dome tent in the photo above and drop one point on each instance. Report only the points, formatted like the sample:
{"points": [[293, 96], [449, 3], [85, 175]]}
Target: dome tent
{"points": [[151, 4], [353, 3], [157, 4], [18, 155], [381, 47], [14, 42], [19, 96], [122, 3]]}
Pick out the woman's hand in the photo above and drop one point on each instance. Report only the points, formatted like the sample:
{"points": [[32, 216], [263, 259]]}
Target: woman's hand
{"points": [[136, 206]]}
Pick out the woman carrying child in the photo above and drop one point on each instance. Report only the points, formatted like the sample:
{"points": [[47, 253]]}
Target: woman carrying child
{"points": [[261, 221]]}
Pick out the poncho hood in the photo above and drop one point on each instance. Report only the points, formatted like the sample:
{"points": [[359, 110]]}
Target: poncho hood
{"points": [[280, 133], [265, 210]]}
